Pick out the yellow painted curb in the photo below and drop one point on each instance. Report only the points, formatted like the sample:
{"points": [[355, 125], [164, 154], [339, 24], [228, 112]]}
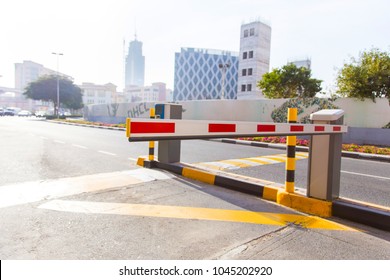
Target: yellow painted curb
{"points": [[270, 193], [198, 175], [140, 161], [305, 204]]}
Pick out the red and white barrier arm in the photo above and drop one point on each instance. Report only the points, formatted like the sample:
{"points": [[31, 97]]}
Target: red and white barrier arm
{"points": [[160, 129]]}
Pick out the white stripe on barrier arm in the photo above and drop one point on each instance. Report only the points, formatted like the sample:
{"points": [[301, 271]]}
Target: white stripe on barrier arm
{"points": [[161, 129]]}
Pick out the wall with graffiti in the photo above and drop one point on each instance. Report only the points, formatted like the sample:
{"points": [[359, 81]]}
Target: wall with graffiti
{"points": [[357, 113]]}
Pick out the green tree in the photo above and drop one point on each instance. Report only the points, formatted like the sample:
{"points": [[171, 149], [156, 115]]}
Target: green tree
{"points": [[366, 77], [45, 88], [289, 82]]}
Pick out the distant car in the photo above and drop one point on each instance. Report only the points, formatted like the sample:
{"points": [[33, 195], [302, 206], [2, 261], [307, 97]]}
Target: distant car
{"points": [[1, 112], [40, 114], [9, 112], [24, 113]]}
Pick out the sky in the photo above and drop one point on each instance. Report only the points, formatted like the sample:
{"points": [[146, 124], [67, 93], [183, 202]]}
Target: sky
{"points": [[91, 33]]}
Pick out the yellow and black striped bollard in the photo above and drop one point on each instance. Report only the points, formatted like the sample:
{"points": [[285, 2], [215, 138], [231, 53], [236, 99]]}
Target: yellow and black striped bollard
{"points": [[151, 143], [290, 162]]}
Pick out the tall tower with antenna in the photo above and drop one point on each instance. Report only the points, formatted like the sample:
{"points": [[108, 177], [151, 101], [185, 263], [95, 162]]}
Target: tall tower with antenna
{"points": [[135, 64]]}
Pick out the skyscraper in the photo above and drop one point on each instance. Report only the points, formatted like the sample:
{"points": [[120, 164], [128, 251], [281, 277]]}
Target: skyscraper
{"points": [[135, 65], [255, 47]]}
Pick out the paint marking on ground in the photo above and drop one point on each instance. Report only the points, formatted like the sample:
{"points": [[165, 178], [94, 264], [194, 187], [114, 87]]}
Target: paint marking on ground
{"points": [[43, 137], [194, 213], [59, 142], [28, 192], [107, 153], [79, 146], [231, 164], [366, 175]]}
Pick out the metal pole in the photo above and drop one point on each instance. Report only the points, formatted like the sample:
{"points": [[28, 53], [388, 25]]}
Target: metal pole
{"points": [[58, 84], [290, 161], [223, 68]]}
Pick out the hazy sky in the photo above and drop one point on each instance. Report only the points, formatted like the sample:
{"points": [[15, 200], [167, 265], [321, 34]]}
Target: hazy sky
{"points": [[90, 33]]}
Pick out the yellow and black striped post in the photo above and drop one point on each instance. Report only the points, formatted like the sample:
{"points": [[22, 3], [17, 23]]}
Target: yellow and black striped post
{"points": [[290, 162], [151, 143]]}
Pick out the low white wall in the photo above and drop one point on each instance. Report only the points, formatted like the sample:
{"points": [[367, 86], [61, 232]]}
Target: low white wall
{"points": [[357, 113]]}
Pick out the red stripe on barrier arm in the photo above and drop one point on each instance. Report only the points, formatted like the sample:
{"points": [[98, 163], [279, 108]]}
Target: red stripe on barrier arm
{"points": [[220, 127], [337, 128], [296, 128], [152, 127], [319, 128], [266, 128]]}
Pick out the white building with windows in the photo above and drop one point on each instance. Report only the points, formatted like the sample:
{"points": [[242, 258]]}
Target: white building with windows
{"points": [[99, 94], [255, 49], [302, 63], [30, 71], [154, 93]]}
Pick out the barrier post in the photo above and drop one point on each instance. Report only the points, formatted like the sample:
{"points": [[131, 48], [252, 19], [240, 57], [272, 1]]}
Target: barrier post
{"points": [[151, 143], [325, 158], [169, 150], [290, 162]]}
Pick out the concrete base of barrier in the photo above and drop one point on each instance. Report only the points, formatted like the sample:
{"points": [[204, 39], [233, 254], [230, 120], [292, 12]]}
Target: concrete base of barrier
{"points": [[305, 204], [345, 209]]}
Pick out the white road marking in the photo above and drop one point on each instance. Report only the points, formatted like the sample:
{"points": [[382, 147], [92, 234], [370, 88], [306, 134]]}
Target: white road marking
{"points": [[29, 192], [79, 146], [59, 141], [366, 175], [132, 159], [107, 153], [43, 137]]}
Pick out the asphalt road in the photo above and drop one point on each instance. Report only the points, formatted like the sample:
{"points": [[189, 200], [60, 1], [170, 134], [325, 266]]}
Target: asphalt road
{"points": [[69, 192], [64, 151]]}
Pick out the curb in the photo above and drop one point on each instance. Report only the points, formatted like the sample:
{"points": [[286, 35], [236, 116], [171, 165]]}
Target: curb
{"points": [[88, 125], [355, 155], [371, 215]]}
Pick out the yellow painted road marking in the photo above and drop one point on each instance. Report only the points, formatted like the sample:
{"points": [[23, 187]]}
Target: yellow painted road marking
{"points": [[179, 212], [249, 162], [35, 191]]}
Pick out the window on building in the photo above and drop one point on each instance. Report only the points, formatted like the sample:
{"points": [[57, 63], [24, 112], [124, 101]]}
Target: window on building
{"points": [[90, 93], [252, 32], [244, 72], [250, 54], [249, 87], [250, 71], [246, 33], [244, 55], [243, 87]]}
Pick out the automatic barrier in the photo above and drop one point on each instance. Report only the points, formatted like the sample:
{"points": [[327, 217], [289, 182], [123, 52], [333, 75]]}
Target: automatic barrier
{"points": [[324, 154]]}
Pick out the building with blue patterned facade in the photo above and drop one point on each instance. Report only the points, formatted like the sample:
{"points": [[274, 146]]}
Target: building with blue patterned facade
{"points": [[205, 74]]}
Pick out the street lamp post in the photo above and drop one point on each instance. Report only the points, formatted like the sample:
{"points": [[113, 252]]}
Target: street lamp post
{"points": [[223, 67], [58, 84]]}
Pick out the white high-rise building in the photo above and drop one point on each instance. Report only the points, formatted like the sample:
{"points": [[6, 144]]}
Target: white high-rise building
{"points": [[255, 49]]}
